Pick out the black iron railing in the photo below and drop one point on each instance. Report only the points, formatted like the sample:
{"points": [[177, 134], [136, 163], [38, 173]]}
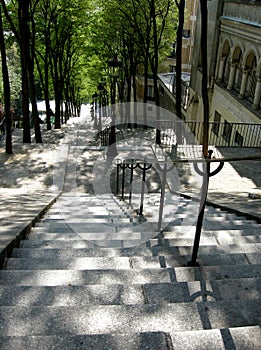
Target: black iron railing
{"points": [[220, 134], [124, 178]]}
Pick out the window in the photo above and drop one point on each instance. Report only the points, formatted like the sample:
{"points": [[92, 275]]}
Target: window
{"points": [[252, 81], [216, 124], [226, 70], [227, 131], [238, 74], [238, 139]]}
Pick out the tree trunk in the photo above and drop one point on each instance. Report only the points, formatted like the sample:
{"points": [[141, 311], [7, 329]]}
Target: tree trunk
{"points": [[204, 86], [155, 64], [23, 16], [8, 119], [145, 96], [181, 7], [35, 114]]}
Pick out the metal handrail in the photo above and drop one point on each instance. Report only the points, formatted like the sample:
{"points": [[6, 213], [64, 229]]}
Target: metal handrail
{"points": [[146, 165]]}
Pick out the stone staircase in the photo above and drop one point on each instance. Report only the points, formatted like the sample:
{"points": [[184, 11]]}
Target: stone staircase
{"points": [[83, 280]]}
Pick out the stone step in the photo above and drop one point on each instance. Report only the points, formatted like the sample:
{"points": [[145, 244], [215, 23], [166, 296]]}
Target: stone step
{"points": [[126, 341], [119, 294], [236, 240], [127, 276], [85, 220], [100, 319], [119, 239], [143, 255], [128, 226], [218, 233], [155, 249], [222, 238], [113, 234], [95, 262], [84, 277], [179, 225], [239, 240], [240, 338], [67, 226]]}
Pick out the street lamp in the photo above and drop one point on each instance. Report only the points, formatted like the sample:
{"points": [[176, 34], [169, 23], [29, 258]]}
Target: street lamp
{"points": [[101, 88], [94, 108], [115, 65]]}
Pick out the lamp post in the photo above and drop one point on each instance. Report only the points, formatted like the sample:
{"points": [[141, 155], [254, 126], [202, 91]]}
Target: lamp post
{"points": [[101, 88], [114, 68], [94, 109]]}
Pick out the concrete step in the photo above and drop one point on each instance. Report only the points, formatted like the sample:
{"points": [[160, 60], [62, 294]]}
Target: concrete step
{"points": [[100, 319], [86, 220], [236, 240], [126, 341], [84, 277], [88, 263], [156, 249], [90, 236], [240, 338], [110, 238], [143, 255], [218, 233], [70, 226], [54, 277], [219, 226], [222, 238], [119, 294]]}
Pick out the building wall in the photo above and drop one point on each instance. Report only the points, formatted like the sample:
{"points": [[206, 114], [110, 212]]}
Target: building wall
{"points": [[234, 62], [189, 34]]}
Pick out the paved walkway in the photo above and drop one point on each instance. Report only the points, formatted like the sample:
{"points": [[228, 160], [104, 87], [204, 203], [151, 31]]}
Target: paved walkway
{"points": [[27, 175], [238, 185]]}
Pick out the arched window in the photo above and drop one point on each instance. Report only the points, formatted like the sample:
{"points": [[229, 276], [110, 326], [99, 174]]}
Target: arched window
{"points": [[226, 55], [226, 70], [252, 78], [238, 59]]}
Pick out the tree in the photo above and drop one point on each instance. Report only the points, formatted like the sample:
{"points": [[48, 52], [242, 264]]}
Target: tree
{"points": [[19, 17], [181, 8], [61, 34], [204, 83], [7, 94]]}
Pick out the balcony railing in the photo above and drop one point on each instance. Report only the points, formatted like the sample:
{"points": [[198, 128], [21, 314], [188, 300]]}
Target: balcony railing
{"points": [[220, 134]]}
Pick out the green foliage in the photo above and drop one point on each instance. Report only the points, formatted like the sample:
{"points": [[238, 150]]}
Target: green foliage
{"points": [[80, 37], [14, 68]]}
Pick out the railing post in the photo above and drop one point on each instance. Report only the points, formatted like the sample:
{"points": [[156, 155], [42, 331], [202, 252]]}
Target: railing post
{"points": [[162, 195], [131, 167], [206, 175], [163, 189], [118, 165], [144, 169], [123, 165]]}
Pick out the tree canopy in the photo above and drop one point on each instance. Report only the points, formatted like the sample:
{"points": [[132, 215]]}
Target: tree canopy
{"points": [[59, 49]]}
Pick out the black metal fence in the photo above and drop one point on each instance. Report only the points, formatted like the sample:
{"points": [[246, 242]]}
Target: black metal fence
{"points": [[220, 134]]}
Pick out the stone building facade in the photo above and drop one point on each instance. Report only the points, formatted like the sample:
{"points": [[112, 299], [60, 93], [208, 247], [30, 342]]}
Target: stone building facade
{"points": [[234, 60]]}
